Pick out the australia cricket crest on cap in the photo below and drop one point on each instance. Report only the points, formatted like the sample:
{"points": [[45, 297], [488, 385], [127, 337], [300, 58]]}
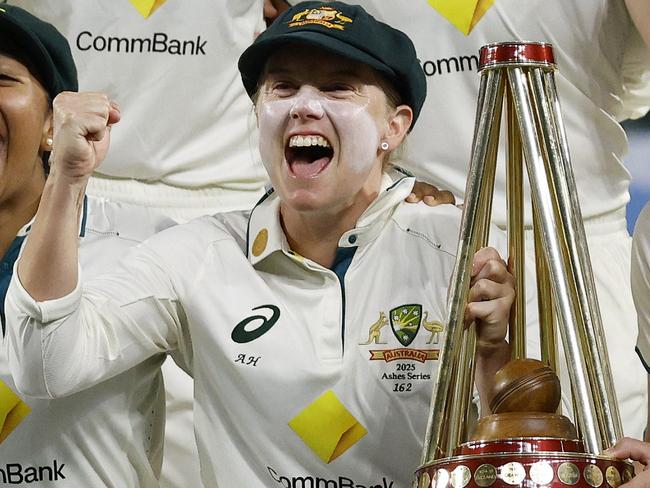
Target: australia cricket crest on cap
{"points": [[326, 16], [405, 321]]}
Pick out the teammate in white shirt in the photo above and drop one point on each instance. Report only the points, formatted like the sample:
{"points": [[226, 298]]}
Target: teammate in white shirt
{"points": [[186, 147], [282, 314], [603, 76], [109, 435]]}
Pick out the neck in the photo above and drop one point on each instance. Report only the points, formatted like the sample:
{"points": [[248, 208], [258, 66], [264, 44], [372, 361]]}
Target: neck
{"points": [[316, 235], [16, 212]]}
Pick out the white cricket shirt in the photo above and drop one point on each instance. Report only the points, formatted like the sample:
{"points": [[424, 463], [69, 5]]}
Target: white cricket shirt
{"points": [[268, 333]]}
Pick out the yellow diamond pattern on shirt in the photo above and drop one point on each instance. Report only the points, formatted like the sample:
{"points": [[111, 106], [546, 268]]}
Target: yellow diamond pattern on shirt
{"points": [[147, 7], [12, 411], [463, 14], [327, 427]]}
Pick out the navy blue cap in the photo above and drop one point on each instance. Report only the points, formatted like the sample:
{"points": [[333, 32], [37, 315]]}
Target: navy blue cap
{"points": [[346, 30], [47, 49]]}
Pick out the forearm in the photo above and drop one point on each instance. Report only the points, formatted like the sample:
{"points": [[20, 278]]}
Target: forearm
{"points": [[488, 361], [81, 130], [47, 268]]}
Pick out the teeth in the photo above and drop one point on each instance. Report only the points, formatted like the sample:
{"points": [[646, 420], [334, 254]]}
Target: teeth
{"points": [[307, 141]]}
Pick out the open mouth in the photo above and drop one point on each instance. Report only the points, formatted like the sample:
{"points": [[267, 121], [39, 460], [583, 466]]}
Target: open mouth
{"points": [[308, 155]]}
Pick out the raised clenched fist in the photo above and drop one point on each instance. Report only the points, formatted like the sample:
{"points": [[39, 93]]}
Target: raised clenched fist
{"points": [[82, 124]]}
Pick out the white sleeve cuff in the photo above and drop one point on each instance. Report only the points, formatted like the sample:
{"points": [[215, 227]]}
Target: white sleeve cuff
{"points": [[48, 310]]}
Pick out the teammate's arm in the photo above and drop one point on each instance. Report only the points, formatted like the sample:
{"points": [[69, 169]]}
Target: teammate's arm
{"points": [[81, 121]]}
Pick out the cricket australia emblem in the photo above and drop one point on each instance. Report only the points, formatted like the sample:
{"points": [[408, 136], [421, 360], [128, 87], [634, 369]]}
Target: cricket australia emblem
{"points": [[405, 321]]}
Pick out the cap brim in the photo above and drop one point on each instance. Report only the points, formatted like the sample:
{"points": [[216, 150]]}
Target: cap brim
{"points": [[253, 60]]}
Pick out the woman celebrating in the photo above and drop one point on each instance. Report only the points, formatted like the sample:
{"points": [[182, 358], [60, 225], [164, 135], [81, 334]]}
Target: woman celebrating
{"points": [[300, 320]]}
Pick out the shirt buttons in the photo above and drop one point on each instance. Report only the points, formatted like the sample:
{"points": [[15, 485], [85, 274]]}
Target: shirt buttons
{"points": [[352, 239]]}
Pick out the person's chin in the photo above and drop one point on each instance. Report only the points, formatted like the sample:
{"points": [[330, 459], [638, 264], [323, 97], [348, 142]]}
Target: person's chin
{"points": [[306, 200]]}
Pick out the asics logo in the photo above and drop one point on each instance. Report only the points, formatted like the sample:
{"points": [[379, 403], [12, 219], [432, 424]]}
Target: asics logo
{"points": [[255, 326]]}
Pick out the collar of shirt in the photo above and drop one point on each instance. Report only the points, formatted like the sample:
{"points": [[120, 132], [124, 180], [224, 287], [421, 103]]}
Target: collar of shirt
{"points": [[10, 257], [266, 237]]}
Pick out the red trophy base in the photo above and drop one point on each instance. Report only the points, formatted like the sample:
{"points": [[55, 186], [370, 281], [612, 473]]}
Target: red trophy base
{"points": [[529, 462]]}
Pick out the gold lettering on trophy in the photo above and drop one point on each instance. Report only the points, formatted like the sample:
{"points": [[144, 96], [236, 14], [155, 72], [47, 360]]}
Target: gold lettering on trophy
{"points": [[485, 475]]}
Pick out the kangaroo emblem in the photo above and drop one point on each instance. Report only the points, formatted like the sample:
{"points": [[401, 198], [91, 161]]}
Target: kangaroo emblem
{"points": [[374, 333], [434, 327]]}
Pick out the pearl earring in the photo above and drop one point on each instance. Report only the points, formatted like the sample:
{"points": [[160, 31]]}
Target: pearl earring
{"points": [[384, 146], [49, 142]]}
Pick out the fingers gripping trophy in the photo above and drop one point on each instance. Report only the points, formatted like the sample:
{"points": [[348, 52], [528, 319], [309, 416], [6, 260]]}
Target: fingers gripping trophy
{"points": [[525, 441]]}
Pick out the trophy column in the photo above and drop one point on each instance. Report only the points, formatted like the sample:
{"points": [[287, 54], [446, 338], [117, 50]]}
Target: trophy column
{"points": [[525, 441]]}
